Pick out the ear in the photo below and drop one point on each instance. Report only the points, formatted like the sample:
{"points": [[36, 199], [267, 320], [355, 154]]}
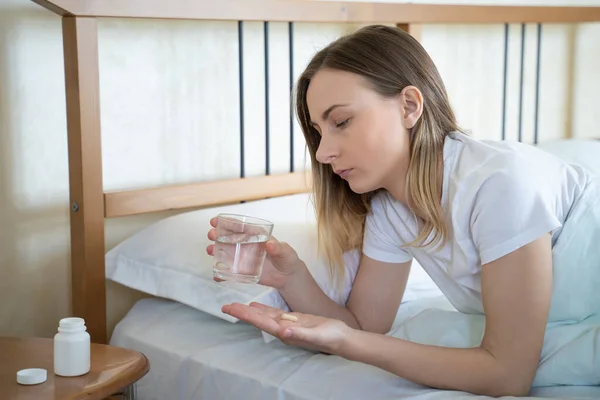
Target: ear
{"points": [[411, 101]]}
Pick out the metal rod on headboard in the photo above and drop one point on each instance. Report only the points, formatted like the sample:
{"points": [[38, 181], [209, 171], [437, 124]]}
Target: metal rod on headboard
{"points": [[505, 80], [291, 91], [267, 102], [521, 78], [537, 83], [521, 83], [241, 94]]}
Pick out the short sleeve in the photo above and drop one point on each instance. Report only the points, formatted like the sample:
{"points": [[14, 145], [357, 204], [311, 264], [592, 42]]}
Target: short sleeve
{"points": [[379, 230], [514, 206]]}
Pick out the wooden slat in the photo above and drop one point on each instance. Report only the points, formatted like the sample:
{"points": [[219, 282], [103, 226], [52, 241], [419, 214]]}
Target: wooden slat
{"points": [[80, 43], [320, 11], [53, 7], [203, 194]]}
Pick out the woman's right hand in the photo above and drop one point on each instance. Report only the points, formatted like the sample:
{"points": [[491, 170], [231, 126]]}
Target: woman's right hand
{"points": [[280, 265]]}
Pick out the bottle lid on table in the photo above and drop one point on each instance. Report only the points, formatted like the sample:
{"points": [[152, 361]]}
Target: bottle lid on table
{"points": [[32, 376]]}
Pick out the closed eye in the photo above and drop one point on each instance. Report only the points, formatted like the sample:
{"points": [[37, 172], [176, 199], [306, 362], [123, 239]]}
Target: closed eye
{"points": [[343, 123]]}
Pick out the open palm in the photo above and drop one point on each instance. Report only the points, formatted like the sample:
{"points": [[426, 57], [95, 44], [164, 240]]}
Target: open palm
{"points": [[308, 331]]}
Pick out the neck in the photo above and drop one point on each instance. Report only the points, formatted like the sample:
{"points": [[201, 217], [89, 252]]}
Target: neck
{"points": [[395, 182], [399, 191], [397, 188]]}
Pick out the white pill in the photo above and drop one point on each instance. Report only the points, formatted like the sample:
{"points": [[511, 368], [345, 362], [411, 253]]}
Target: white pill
{"points": [[289, 317]]}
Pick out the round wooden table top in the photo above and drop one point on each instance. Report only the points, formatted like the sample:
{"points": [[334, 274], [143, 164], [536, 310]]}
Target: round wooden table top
{"points": [[112, 369]]}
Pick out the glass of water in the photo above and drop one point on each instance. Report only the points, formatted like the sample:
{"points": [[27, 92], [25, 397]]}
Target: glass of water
{"points": [[241, 247]]}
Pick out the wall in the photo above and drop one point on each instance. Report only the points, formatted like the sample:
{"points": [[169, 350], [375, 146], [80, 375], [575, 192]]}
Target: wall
{"points": [[158, 79]]}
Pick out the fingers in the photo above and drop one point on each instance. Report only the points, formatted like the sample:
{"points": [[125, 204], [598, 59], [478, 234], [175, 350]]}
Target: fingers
{"points": [[229, 225], [253, 316], [273, 247], [226, 226], [212, 234], [272, 312], [258, 305], [210, 249], [286, 319], [274, 321], [277, 249], [296, 333], [283, 257]]}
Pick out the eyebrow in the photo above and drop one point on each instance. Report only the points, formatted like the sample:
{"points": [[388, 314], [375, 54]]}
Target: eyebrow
{"points": [[328, 111]]}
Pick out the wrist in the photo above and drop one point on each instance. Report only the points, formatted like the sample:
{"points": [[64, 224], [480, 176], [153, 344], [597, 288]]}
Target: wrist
{"points": [[294, 278], [346, 346]]}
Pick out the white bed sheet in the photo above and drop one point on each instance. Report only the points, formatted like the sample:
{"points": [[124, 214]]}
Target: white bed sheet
{"points": [[194, 355]]}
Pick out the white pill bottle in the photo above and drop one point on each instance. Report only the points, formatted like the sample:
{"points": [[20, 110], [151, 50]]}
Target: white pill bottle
{"points": [[71, 348]]}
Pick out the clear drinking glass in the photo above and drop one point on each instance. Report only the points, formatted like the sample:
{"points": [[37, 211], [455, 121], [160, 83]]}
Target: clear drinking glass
{"points": [[241, 247]]}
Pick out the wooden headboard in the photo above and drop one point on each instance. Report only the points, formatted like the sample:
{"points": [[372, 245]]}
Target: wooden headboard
{"points": [[89, 203]]}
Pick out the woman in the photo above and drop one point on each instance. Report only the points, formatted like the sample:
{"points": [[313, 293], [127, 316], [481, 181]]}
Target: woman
{"points": [[394, 176]]}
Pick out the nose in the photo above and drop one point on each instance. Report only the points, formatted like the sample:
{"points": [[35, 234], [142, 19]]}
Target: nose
{"points": [[327, 152]]}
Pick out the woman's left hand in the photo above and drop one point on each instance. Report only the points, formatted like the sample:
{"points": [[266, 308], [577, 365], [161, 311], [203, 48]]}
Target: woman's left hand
{"points": [[308, 331]]}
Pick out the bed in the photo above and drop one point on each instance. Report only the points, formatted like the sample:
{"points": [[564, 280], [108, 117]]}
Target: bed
{"points": [[194, 352], [194, 355]]}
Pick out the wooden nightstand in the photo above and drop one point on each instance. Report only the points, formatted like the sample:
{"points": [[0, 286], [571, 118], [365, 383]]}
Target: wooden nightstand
{"points": [[113, 370]]}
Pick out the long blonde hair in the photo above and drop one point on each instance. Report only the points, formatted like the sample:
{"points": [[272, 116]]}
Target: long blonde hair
{"points": [[390, 59]]}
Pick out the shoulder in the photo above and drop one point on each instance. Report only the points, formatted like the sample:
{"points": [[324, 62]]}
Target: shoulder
{"points": [[387, 228], [386, 216], [508, 194], [493, 166]]}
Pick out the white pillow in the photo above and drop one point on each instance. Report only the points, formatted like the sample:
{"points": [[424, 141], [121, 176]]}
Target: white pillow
{"points": [[584, 152], [168, 258]]}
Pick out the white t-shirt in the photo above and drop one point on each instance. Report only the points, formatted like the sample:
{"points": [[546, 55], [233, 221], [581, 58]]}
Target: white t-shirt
{"points": [[497, 196]]}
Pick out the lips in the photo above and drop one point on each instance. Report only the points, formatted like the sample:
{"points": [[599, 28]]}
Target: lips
{"points": [[343, 172]]}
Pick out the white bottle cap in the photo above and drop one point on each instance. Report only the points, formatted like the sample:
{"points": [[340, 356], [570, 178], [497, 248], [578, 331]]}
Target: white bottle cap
{"points": [[31, 376]]}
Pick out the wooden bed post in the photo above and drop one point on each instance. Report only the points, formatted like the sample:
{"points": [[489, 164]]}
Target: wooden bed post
{"points": [[80, 41], [413, 29]]}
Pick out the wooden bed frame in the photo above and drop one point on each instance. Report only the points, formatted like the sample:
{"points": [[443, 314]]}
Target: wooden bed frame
{"points": [[90, 205]]}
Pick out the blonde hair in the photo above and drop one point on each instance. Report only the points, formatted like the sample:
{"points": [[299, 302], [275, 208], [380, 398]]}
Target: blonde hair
{"points": [[390, 59]]}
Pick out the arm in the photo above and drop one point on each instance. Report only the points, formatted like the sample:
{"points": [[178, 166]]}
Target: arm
{"points": [[373, 302], [376, 292], [516, 292]]}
